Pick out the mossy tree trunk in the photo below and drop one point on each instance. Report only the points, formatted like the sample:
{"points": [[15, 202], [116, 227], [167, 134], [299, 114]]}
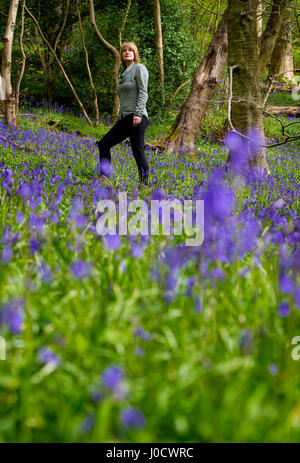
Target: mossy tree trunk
{"points": [[243, 54], [270, 35], [282, 64]]}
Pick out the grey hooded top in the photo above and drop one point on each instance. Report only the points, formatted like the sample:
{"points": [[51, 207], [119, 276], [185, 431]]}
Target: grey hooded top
{"points": [[132, 90]]}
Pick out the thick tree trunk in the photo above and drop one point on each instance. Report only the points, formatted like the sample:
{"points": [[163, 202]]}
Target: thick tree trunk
{"points": [[282, 63], [205, 81], [9, 102], [159, 47], [243, 59], [288, 61], [271, 33]]}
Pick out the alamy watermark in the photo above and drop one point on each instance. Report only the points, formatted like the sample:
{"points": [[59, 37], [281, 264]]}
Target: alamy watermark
{"points": [[296, 350], [296, 90], [2, 348], [144, 220]]}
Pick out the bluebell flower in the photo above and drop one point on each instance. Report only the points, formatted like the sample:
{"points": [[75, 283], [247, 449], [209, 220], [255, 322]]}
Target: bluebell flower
{"points": [[284, 309], [132, 418], [81, 269], [112, 376], [46, 355], [12, 315]]}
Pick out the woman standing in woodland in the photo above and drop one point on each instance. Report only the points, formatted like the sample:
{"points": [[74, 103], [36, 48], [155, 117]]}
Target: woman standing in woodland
{"points": [[132, 118]]}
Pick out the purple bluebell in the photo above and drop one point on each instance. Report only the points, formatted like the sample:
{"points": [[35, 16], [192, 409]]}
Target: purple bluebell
{"points": [[139, 351], [284, 309], [136, 250], [286, 285], [273, 369], [112, 242], [198, 305], [7, 253], [46, 355], [81, 269], [132, 417], [88, 423], [112, 376], [45, 273], [12, 315], [141, 333], [189, 286]]}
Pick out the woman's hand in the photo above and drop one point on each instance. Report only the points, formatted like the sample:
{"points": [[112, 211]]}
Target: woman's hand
{"points": [[136, 121]]}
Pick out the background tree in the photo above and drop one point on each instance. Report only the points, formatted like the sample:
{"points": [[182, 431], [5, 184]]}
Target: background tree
{"points": [[204, 84], [243, 62], [159, 47], [282, 62], [269, 37], [9, 103], [55, 24]]}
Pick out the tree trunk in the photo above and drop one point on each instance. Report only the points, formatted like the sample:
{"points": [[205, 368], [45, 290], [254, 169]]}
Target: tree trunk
{"points": [[243, 59], [9, 102], [159, 47], [21, 73], [205, 81], [271, 33], [282, 63]]}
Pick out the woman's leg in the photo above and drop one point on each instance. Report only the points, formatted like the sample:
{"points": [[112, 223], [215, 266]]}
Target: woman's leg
{"points": [[137, 140], [119, 132]]}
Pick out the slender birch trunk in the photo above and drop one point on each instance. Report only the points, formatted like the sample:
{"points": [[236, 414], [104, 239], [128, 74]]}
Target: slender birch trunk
{"points": [[159, 47], [9, 102], [20, 76]]}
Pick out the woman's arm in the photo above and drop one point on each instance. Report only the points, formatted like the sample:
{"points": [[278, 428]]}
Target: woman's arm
{"points": [[141, 77]]}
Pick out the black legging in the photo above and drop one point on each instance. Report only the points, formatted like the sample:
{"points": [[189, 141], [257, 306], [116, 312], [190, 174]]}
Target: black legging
{"points": [[119, 132]]}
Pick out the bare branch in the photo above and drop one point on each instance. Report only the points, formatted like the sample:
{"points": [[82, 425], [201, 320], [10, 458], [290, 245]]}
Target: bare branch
{"points": [[123, 23], [231, 68], [230, 99], [206, 9], [175, 93], [62, 27]]}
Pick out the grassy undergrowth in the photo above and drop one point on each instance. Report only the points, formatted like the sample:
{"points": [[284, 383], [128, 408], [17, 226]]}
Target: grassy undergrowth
{"points": [[144, 339]]}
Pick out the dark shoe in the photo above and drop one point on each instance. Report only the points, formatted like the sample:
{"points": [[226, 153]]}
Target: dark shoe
{"points": [[144, 179]]}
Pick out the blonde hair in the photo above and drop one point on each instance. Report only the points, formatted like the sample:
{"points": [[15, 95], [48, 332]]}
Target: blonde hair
{"points": [[132, 46]]}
